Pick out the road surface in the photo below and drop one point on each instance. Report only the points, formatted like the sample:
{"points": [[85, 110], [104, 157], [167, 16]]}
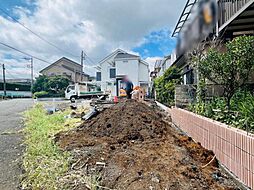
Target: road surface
{"points": [[10, 141]]}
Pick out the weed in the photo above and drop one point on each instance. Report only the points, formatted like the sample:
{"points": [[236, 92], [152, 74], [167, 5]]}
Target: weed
{"points": [[44, 163]]}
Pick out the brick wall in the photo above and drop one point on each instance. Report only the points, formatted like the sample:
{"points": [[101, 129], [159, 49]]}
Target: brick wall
{"points": [[234, 148]]}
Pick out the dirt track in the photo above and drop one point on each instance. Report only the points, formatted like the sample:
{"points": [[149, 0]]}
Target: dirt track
{"points": [[141, 151]]}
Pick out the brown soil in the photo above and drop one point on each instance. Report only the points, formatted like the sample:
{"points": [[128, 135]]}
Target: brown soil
{"points": [[141, 151]]}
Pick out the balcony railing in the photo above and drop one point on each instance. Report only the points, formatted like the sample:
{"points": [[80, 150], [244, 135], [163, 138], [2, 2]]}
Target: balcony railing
{"points": [[228, 8]]}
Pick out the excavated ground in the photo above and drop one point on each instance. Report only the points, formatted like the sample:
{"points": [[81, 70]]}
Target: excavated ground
{"points": [[130, 147]]}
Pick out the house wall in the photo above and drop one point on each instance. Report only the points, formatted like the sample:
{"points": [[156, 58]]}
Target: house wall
{"points": [[137, 72], [107, 84], [143, 72], [58, 69], [130, 68]]}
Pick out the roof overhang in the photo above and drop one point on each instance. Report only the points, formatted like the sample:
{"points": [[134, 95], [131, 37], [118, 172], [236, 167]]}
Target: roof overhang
{"points": [[241, 21], [179, 62]]}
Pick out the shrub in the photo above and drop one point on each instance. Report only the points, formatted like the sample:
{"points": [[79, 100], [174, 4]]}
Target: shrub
{"points": [[240, 115], [41, 94], [165, 85], [232, 68], [54, 85]]}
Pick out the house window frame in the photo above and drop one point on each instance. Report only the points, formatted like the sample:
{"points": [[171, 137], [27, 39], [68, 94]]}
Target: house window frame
{"points": [[97, 76], [110, 76]]}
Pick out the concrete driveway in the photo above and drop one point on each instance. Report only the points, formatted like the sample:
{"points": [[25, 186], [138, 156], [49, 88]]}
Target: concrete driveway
{"points": [[10, 141]]}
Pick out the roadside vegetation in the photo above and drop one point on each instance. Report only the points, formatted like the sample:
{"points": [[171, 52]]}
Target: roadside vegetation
{"points": [[165, 85], [50, 86], [240, 114], [44, 163], [231, 70]]}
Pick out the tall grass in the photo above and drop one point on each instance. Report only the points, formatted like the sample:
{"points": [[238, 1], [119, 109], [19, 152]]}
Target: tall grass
{"points": [[44, 162]]}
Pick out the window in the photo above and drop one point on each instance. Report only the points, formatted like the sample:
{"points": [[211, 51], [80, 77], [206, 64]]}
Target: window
{"points": [[112, 73], [98, 76], [70, 88]]}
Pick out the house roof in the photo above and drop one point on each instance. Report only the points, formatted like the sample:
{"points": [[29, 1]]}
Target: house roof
{"points": [[114, 53], [59, 60], [145, 63], [125, 56]]}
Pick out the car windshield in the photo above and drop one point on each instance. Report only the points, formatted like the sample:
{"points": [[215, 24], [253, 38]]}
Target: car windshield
{"points": [[70, 88]]}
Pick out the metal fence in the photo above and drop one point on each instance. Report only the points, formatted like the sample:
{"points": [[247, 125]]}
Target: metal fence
{"points": [[186, 94]]}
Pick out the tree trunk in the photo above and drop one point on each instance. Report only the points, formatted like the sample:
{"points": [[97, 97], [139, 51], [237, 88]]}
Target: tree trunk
{"points": [[228, 102]]}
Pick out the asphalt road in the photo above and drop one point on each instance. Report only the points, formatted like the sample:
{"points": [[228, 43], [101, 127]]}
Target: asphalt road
{"points": [[10, 141]]}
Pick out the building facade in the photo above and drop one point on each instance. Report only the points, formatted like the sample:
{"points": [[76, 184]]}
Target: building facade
{"points": [[228, 19], [66, 68], [118, 64]]}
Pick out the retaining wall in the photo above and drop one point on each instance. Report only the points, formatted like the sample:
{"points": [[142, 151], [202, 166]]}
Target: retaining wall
{"points": [[234, 148]]}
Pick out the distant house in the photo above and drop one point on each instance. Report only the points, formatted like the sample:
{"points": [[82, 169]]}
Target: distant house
{"points": [[161, 66], [67, 68], [118, 64]]}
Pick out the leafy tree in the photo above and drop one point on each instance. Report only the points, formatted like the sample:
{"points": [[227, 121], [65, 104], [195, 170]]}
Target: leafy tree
{"points": [[165, 85], [40, 84], [52, 85], [232, 68]]}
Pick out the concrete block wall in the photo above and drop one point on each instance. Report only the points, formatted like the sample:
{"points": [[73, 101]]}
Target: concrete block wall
{"points": [[234, 148]]}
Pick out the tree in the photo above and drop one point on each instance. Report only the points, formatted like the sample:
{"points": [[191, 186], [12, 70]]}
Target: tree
{"points": [[232, 68], [52, 85], [165, 85], [40, 84]]}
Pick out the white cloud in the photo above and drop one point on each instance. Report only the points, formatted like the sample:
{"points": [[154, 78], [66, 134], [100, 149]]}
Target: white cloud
{"points": [[97, 27], [151, 61]]}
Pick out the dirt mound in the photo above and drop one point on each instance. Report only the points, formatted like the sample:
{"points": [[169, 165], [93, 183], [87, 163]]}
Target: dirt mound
{"points": [[127, 121], [130, 146]]}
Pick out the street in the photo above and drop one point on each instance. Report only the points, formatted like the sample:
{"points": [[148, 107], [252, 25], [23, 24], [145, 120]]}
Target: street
{"points": [[10, 141]]}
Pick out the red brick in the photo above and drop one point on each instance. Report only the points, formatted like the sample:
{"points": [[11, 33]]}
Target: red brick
{"points": [[244, 142], [252, 164], [232, 152], [251, 180], [252, 147]]}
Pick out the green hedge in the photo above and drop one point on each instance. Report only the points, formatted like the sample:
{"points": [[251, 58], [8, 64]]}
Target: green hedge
{"points": [[13, 86]]}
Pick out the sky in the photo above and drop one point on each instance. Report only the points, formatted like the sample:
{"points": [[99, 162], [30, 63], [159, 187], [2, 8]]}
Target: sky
{"points": [[98, 27]]}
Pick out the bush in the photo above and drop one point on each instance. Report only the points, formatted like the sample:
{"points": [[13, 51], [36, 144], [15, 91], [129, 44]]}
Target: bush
{"points": [[232, 68], [54, 85], [241, 113], [41, 94], [165, 85]]}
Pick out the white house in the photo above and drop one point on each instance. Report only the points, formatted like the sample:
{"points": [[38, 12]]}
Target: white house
{"points": [[119, 64]]}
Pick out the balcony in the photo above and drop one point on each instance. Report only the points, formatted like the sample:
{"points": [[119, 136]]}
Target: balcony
{"points": [[235, 15]]}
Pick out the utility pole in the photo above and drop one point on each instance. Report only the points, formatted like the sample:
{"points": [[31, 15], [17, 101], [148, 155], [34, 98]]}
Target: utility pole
{"points": [[32, 75], [32, 72], [4, 81], [82, 64]]}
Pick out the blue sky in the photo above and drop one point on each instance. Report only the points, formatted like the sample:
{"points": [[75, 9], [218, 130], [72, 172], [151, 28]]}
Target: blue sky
{"points": [[106, 26], [156, 44], [8, 6]]}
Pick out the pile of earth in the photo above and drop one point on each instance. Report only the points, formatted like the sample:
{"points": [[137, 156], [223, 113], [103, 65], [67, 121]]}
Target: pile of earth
{"points": [[130, 146]]}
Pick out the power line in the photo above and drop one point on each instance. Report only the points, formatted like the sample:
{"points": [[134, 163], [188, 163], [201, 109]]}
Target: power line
{"points": [[27, 54], [11, 74], [45, 40], [91, 60]]}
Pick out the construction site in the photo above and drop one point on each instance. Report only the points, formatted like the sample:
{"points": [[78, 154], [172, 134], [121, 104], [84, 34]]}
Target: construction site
{"points": [[134, 145]]}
